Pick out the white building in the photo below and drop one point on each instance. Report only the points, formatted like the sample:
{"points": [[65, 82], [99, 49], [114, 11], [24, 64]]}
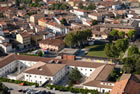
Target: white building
{"points": [[42, 72], [53, 70], [80, 12], [6, 47], [58, 28]]}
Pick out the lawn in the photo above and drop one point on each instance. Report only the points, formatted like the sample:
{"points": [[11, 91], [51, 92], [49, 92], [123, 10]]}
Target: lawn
{"points": [[96, 50]]}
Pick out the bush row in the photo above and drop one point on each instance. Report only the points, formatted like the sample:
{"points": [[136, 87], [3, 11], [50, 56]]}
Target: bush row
{"points": [[18, 82], [73, 90], [28, 54]]}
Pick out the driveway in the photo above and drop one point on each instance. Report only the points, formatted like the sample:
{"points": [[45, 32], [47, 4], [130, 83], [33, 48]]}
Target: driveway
{"points": [[16, 87]]}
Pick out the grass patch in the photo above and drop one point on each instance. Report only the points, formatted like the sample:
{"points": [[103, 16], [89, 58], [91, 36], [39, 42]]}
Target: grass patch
{"points": [[96, 50]]}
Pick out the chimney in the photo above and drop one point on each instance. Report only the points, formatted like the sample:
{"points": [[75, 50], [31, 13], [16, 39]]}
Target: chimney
{"points": [[68, 57]]}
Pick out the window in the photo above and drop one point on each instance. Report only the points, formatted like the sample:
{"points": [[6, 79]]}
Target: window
{"points": [[40, 76], [90, 69], [30, 76], [27, 75], [81, 69], [85, 69]]}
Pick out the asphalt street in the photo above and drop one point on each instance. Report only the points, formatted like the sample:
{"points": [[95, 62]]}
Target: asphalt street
{"points": [[16, 87]]}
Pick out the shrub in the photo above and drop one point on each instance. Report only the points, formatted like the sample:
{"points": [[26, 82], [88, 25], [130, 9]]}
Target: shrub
{"points": [[18, 82], [73, 90]]}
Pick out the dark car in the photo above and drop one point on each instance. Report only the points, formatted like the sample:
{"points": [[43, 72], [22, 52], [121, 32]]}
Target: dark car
{"points": [[10, 88], [20, 90], [44, 92], [49, 92]]}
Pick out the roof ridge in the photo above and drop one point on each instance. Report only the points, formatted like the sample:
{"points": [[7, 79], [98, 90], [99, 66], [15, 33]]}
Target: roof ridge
{"points": [[128, 79], [100, 71]]}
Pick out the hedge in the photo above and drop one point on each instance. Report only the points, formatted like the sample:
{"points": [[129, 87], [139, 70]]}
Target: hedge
{"points": [[73, 90], [18, 82], [28, 54]]}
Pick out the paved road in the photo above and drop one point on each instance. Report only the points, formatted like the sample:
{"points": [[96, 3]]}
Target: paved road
{"points": [[16, 87]]}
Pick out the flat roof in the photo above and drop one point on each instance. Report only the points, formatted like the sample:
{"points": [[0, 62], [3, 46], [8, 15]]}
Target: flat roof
{"points": [[69, 51]]}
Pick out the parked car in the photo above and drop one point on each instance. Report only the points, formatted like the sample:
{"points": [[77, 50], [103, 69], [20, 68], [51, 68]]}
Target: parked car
{"points": [[10, 88], [20, 90]]}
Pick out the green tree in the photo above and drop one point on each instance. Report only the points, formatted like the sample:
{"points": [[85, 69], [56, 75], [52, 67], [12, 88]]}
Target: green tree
{"points": [[80, 5], [91, 6], [137, 66], [114, 34], [121, 34], [40, 53], [3, 89], [58, 6], [94, 22], [64, 21], [122, 44], [88, 33], [75, 75], [131, 34], [17, 3], [128, 65], [77, 38], [111, 51], [70, 39], [133, 50]]}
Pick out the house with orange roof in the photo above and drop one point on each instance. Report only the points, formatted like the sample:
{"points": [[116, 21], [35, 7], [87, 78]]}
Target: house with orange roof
{"points": [[34, 18], [128, 84]]}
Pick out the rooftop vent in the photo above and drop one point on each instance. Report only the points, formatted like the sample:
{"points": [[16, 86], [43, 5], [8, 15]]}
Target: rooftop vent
{"points": [[39, 68]]}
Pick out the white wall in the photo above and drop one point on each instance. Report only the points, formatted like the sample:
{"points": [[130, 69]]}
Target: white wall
{"points": [[8, 68], [6, 49], [27, 63], [40, 79], [60, 75], [98, 88], [83, 70]]}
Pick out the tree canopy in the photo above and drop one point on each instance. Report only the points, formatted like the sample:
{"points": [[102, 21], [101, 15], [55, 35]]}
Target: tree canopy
{"points": [[91, 6], [114, 34], [133, 50], [122, 44], [64, 21], [94, 22], [111, 51], [75, 75], [77, 38], [3, 89], [129, 65], [131, 33], [40, 53], [121, 34], [58, 6], [70, 39], [132, 64]]}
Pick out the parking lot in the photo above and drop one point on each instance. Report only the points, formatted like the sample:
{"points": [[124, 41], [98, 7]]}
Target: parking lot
{"points": [[16, 87]]}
